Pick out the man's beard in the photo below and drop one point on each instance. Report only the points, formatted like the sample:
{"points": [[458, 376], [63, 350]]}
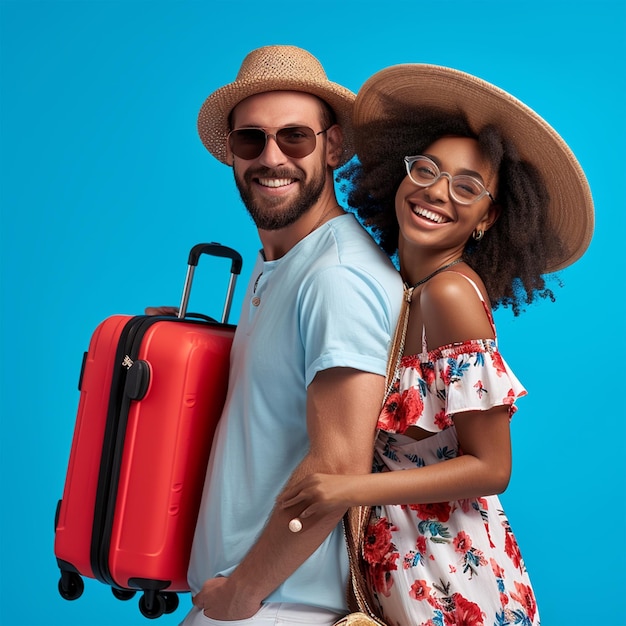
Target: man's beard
{"points": [[277, 213]]}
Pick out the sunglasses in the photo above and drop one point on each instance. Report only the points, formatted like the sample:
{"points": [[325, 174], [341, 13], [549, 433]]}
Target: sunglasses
{"points": [[295, 142]]}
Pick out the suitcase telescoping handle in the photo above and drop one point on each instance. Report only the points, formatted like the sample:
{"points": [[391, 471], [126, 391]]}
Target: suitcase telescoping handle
{"points": [[214, 249]]}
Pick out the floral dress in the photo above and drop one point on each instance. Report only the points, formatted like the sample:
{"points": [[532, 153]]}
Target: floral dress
{"points": [[451, 563]]}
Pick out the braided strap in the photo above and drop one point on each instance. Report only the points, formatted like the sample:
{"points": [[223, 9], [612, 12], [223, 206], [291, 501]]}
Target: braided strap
{"points": [[397, 343], [356, 519]]}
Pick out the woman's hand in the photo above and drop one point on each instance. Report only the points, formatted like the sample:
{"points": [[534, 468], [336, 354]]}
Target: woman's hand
{"points": [[321, 494]]}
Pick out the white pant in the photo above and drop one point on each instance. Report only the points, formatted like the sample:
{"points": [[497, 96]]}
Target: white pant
{"points": [[271, 614]]}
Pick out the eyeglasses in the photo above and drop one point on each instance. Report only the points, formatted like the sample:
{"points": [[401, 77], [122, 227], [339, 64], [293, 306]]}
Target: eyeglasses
{"points": [[294, 141], [424, 172]]}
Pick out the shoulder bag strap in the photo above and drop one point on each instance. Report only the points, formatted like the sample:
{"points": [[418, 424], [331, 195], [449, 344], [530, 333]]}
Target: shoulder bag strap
{"points": [[356, 519]]}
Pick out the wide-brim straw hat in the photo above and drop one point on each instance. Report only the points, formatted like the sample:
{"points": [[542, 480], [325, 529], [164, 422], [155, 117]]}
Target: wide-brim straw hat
{"points": [[386, 93], [274, 68]]}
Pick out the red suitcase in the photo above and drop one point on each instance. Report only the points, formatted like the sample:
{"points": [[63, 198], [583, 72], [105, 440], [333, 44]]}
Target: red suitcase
{"points": [[151, 393]]}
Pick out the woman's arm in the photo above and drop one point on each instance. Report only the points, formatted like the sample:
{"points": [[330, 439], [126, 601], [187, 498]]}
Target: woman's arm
{"points": [[484, 468], [451, 312]]}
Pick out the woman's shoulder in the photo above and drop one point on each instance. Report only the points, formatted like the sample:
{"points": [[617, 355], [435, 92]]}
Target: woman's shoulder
{"points": [[454, 308], [455, 283]]}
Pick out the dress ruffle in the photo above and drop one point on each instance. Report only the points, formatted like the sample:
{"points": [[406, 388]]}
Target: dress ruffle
{"points": [[430, 388]]}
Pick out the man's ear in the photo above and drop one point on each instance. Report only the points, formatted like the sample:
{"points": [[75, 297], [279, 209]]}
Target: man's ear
{"points": [[334, 145], [229, 155]]}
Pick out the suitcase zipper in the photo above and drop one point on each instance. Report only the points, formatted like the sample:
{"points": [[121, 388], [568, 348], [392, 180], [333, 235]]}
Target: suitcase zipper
{"points": [[113, 447]]}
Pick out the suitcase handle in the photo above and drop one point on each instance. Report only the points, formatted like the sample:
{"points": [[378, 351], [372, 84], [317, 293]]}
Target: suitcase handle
{"points": [[213, 249], [216, 249]]}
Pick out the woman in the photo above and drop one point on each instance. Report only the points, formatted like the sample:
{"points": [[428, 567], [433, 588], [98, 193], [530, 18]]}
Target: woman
{"points": [[479, 198]]}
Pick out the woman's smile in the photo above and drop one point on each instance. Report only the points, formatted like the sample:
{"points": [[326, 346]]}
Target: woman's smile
{"points": [[428, 214]]}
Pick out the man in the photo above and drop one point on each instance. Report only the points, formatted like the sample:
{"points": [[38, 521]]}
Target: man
{"points": [[309, 355]]}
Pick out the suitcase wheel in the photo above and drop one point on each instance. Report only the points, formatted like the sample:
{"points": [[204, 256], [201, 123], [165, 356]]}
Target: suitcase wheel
{"points": [[71, 585], [171, 601], [152, 604], [123, 594]]}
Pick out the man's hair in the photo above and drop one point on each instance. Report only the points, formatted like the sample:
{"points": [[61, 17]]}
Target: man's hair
{"points": [[514, 252]]}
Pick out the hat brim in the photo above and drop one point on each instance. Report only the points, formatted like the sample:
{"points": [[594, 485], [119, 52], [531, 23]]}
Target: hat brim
{"points": [[571, 204], [213, 126]]}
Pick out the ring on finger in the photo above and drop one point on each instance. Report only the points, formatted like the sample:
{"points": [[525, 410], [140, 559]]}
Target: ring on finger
{"points": [[295, 525]]}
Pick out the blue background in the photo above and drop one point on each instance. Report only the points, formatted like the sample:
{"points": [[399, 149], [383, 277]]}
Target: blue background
{"points": [[105, 186]]}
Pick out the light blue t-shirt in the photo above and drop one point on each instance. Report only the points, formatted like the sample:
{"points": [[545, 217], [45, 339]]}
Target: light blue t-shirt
{"points": [[331, 301]]}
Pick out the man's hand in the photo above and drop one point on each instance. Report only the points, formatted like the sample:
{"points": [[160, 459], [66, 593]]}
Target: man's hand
{"points": [[342, 409], [219, 600], [161, 310]]}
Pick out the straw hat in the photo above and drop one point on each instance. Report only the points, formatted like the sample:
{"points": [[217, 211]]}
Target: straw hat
{"points": [[411, 85], [273, 68]]}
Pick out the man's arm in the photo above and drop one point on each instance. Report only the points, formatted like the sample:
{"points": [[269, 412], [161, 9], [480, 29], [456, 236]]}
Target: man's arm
{"points": [[343, 405]]}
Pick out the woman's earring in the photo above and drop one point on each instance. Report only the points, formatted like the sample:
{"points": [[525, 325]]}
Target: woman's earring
{"points": [[478, 234]]}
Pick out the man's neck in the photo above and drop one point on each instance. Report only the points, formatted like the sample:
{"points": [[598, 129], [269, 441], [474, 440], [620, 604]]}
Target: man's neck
{"points": [[276, 243]]}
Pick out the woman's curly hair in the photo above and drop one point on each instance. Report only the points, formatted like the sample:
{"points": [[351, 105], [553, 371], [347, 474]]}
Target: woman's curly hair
{"points": [[518, 248]]}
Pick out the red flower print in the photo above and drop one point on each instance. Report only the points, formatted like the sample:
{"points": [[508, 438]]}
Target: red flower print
{"points": [[421, 544], [411, 361], [526, 598], [419, 590], [466, 504], [443, 421], [439, 511], [387, 418], [510, 397], [415, 557], [411, 559], [380, 578], [462, 543], [446, 374], [410, 409], [498, 363], [482, 506], [465, 613], [401, 410], [509, 400], [498, 571], [480, 389], [428, 374], [512, 549], [378, 541]]}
